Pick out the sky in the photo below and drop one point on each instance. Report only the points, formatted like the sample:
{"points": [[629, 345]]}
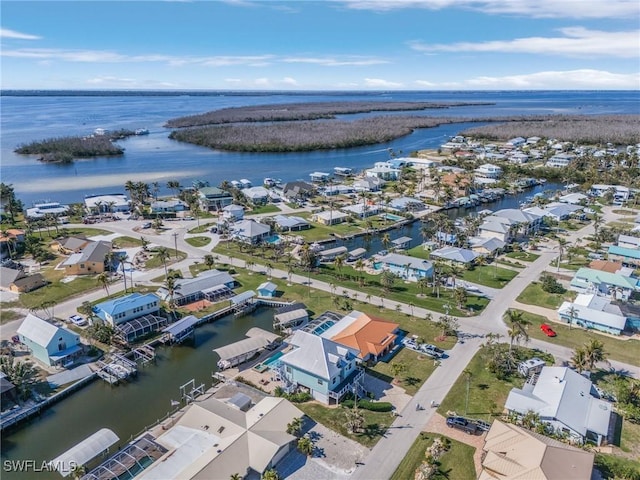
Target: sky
{"points": [[321, 45]]}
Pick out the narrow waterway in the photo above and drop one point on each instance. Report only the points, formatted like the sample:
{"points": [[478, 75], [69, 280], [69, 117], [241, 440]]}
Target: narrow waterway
{"points": [[128, 408]]}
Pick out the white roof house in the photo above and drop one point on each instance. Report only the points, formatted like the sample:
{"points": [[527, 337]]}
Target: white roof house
{"points": [[250, 231], [627, 241], [215, 439], [455, 254], [111, 202], [489, 170], [593, 311], [329, 217], [256, 194], [573, 198], [48, 343], [563, 398]]}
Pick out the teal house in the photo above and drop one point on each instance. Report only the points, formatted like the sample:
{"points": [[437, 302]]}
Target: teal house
{"points": [[53, 346], [267, 290], [322, 367]]}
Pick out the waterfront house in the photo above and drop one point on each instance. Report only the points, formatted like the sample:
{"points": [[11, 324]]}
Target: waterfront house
{"points": [[510, 451], [213, 198], [455, 255], [211, 285], [560, 160], [107, 203], [627, 256], [217, 438], [91, 260], [250, 231], [8, 391], [587, 280], [592, 311], [289, 317], [168, 206], [40, 210], [383, 170], [361, 211], [324, 368], [518, 158], [331, 254], [256, 195], [404, 266], [239, 352], [126, 308], [329, 217], [494, 227], [488, 170], [406, 204], [606, 266], [291, 223], [555, 211], [566, 401], [298, 191], [627, 241], [267, 290], [373, 337], [53, 346]]}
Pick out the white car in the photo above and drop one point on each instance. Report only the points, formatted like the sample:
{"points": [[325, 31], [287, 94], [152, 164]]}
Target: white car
{"points": [[78, 320]]}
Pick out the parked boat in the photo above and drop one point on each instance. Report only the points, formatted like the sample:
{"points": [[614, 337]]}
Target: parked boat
{"points": [[141, 131]]}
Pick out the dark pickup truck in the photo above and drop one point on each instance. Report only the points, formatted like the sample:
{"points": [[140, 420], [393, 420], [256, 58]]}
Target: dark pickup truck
{"points": [[463, 424]]}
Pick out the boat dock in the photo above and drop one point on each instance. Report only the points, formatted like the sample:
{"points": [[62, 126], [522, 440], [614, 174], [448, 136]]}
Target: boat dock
{"points": [[116, 369]]}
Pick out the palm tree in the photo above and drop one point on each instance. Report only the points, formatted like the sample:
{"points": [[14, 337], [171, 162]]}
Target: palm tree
{"points": [[359, 266], [305, 445], [236, 476], [338, 263], [209, 261], [573, 312], [124, 258], [294, 426], [579, 359], [163, 255], [270, 474], [386, 240], [518, 330], [561, 244], [170, 283], [103, 279], [594, 352], [460, 294]]}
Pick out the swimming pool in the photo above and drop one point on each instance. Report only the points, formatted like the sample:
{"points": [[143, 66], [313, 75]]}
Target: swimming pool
{"points": [[272, 359], [273, 239], [391, 216]]}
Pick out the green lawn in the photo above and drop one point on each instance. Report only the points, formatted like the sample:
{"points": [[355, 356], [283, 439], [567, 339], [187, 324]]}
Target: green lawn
{"points": [[59, 291], [198, 241], [126, 242], [375, 424], [627, 351], [366, 284], [419, 368], [154, 261], [202, 228], [268, 208], [535, 295], [490, 276], [514, 264], [455, 464], [487, 393], [525, 256], [419, 252]]}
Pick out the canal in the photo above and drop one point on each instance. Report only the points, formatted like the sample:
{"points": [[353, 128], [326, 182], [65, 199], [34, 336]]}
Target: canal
{"points": [[130, 407], [373, 244]]}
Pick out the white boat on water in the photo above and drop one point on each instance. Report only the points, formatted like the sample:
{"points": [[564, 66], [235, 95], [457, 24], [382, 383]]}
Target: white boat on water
{"points": [[344, 171], [142, 131]]}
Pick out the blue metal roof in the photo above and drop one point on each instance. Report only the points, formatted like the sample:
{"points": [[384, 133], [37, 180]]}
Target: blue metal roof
{"points": [[128, 302], [181, 325]]}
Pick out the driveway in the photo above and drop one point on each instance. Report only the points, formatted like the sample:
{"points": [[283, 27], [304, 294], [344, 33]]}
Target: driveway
{"points": [[438, 424]]}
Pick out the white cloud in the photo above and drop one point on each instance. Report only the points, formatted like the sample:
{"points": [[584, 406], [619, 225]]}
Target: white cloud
{"points": [[333, 62], [561, 80], [262, 82], [425, 83], [577, 41], [6, 33], [91, 56], [380, 83], [290, 81], [529, 8]]}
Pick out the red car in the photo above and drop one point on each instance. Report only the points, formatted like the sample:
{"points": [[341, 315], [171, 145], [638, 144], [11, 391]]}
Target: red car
{"points": [[548, 331]]}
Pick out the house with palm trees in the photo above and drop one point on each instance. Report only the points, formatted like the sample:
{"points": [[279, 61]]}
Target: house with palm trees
{"points": [[566, 402], [405, 266], [107, 203], [593, 311], [211, 285]]}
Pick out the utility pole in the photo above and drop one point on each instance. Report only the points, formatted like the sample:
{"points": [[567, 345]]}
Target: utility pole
{"points": [[175, 241]]}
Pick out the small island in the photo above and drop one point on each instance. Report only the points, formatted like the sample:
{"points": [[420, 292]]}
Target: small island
{"points": [[66, 149]]}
